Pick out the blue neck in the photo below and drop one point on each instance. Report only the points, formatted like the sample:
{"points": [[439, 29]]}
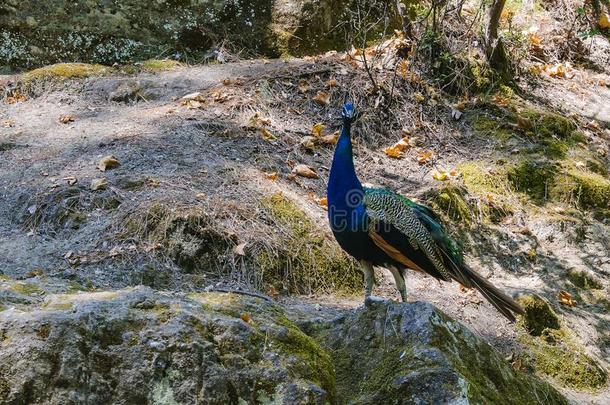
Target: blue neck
{"points": [[343, 182]]}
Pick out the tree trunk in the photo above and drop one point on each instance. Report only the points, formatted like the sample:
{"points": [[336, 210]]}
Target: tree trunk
{"points": [[494, 47]]}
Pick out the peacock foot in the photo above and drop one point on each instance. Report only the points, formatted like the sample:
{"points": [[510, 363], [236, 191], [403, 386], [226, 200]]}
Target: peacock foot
{"points": [[371, 300]]}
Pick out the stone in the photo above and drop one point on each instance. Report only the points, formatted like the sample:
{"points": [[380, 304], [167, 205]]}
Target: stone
{"points": [[142, 346]]}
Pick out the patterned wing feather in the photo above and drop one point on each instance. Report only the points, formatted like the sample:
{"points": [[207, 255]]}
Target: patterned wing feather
{"points": [[385, 206]]}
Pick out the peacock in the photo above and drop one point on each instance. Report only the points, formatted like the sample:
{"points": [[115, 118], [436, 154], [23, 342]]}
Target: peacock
{"points": [[379, 227]]}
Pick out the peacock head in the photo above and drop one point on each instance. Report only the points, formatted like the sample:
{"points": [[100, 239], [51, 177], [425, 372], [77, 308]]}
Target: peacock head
{"points": [[349, 112]]}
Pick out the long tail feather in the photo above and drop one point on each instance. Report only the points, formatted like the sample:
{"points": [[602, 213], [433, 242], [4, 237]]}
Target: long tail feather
{"points": [[502, 302]]}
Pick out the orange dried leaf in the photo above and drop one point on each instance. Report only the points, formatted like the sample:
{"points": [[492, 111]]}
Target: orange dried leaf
{"points": [[604, 20], [316, 130], [267, 136], [535, 40], [332, 83], [398, 150], [322, 98], [501, 101], [246, 317], [565, 298], [330, 139], [424, 157], [323, 202], [271, 176]]}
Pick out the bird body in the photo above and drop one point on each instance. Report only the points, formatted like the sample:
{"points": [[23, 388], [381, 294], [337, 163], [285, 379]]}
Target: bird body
{"points": [[382, 228]]}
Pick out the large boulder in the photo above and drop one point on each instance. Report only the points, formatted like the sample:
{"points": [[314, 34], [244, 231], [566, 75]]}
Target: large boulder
{"points": [[38, 33], [395, 353], [142, 346]]}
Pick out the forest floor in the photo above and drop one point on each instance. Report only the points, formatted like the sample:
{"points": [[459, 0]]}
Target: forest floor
{"points": [[186, 209]]}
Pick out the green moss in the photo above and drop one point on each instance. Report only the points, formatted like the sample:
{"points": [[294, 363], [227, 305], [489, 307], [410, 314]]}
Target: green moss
{"points": [[583, 280], [158, 65], [534, 178], [585, 189], [548, 125], [491, 187], [2, 307], [61, 71], [556, 355], [492, 127], [452, 201], [26, 288], [538, 315], [314, 364], [306, 261]]}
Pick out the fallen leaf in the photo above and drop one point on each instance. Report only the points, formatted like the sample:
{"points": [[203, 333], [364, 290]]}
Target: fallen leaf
{"points": [[8, 123], [304, 86], [226, 81], [193, 96], [565, 298], [246, 317], [499, 100], [322, 98], [332, 83], [256, 121], [201, 196], [71, 180], [402, 69], [524, 124], [239, 249], [98, 184], [439, 175], [316, 129], [305, 171], [323, 202], [424, 157], [330, 139], [65, 119], [108, 162], [535, 40], [271, 176], [308, 142], [417, 96], [268, 136], [398, 150], [604, 20], [15, 97]]}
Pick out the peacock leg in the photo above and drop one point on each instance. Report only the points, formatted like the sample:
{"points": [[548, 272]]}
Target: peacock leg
{"points": [[400, 282], [369, 277]]}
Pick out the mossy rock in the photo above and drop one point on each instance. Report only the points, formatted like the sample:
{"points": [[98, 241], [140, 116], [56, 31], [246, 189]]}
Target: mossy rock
{"points": [[491, 187], [159, 65], [534, 178], [538, 315], [392, 353], [548, 124], [452, 201], [555, 354], [585, 189], [306, 260], [63, 71], [583, 280]]}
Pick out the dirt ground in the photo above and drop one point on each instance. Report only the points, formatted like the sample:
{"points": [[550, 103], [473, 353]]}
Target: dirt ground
{"points": [[54, 229]]}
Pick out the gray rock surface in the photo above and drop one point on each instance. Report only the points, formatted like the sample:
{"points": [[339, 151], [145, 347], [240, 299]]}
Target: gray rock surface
{"points": [[34, 33], [142, 346]]}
